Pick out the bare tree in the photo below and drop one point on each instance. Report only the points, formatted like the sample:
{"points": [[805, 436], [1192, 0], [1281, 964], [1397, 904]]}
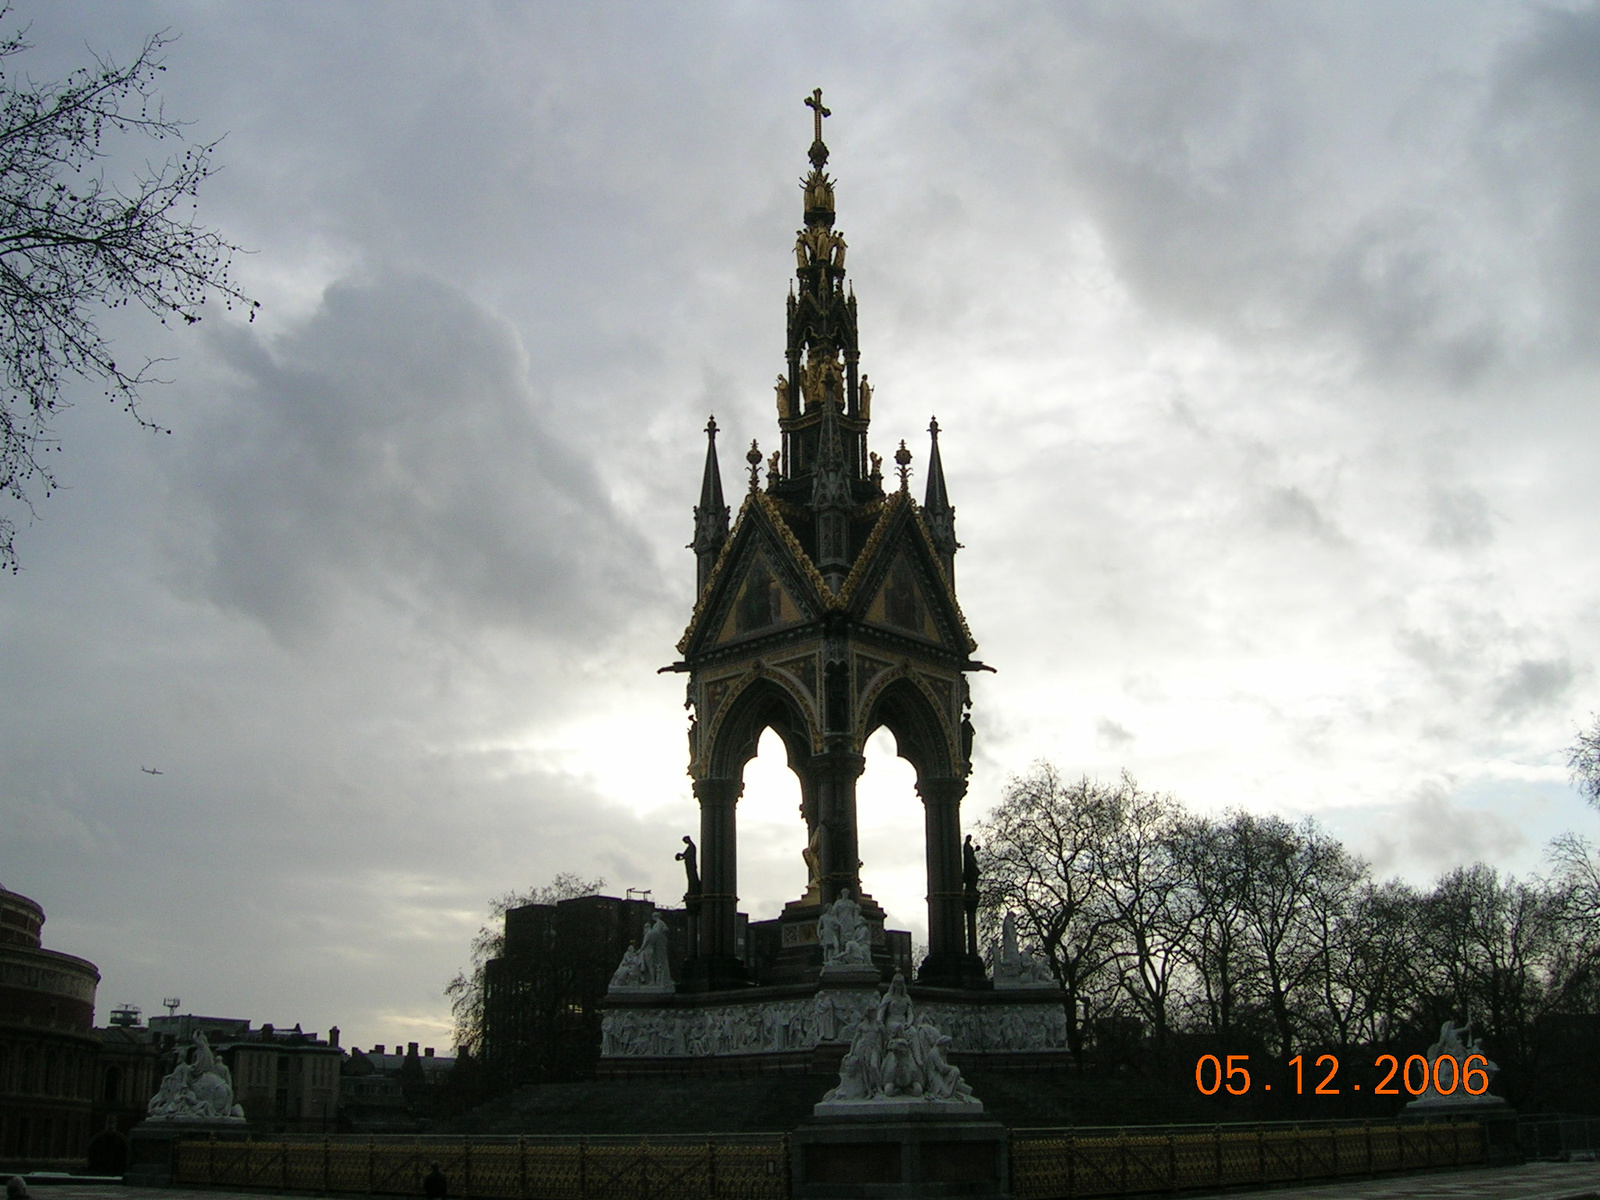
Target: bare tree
{"points": [[1227, 967], [1584, 760], [73, 244], [1368, 978], [1043, 854], [1490, 945], [1292, 877], [1155, 913]]}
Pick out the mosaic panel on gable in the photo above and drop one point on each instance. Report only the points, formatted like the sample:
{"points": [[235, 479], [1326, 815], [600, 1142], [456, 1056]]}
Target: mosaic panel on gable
{"points": [[901, 602], [760, 603]]}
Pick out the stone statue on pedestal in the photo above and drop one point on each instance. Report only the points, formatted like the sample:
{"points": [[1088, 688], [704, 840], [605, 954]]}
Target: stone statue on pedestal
{"points": [[689, 857], [1015, 967], [1457, 1042], [197, 1091], [645, 967], [843, 932], [897, 1058]]}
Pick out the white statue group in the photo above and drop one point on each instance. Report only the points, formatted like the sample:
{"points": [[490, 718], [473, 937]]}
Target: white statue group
{"points": [[1457, 1042], [197, 1091], [895, 1055], [645, 967], [1015, 967], [844, 934]]}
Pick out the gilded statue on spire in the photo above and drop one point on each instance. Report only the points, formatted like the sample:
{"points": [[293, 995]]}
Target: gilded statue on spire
{"points": [[819, 245], [822, 377]]}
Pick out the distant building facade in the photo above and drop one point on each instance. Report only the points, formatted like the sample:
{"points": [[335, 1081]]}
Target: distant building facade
{"points": [[125, 1077], [48, 1046], [392, 1093]]}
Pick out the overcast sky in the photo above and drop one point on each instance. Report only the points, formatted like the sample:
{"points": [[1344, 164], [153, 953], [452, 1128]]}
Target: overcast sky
{"points": [[1263, 337]]}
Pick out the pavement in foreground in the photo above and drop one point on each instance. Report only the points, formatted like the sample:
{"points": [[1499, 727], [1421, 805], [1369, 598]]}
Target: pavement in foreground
{"points": [[1531, 1181]]}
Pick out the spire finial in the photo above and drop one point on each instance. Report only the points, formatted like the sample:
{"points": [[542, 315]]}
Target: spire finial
{"points": [[711, 427], [819, 151], [753, 457], [902, 458]]}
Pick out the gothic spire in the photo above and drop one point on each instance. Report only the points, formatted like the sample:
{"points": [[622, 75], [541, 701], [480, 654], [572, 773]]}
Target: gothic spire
{"points": [[711, 514], [821, 386], [936, 506], [830, 500]]}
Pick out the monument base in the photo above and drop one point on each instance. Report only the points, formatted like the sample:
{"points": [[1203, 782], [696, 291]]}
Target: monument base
{"points": [[908, 1109], [838, 975], [153, 1144], [933, 1156]]}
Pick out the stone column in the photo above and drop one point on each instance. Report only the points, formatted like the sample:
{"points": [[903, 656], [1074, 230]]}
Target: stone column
{"points": [[717, 963], [834, 773], [948, 964]]}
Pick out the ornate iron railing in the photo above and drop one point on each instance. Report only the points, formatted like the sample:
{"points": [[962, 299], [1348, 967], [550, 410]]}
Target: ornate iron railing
{"points": [[518, 1168], [1059, 1164], [1046, 1164]]}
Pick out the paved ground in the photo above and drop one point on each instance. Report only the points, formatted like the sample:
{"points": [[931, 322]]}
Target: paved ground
{"points": [[1534, 1181]]}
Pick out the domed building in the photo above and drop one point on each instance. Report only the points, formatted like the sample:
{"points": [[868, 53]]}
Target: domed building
{"points": [[48, 1047]]}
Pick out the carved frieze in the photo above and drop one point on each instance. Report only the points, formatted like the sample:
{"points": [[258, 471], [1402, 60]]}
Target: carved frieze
{"points": [[774, 1026]]}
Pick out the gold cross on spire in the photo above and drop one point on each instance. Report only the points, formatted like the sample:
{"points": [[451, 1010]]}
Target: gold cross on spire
{"points": [[814, 101]]}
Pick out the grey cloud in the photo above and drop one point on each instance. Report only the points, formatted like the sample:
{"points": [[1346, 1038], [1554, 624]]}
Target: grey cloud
{"points": [[1533, 684], [1280, 174], [1112, 736], [391, 446], [1543, 146], [1290, 510], [1497, 670], [1432, 832], [1460, 519]]}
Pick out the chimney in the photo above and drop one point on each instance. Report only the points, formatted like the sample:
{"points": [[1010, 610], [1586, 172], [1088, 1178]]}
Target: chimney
{"points": [[266, 1031], [411, 1049], [333, 1036], [427, 1052], [378, 1049]]}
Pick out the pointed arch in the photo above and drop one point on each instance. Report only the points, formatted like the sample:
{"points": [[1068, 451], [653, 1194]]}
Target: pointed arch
{"points": [[767, 701], [921, 734]]}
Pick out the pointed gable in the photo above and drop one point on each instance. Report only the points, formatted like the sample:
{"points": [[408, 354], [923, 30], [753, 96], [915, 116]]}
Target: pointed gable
{"points": [[899, 584], [762, 581]]}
